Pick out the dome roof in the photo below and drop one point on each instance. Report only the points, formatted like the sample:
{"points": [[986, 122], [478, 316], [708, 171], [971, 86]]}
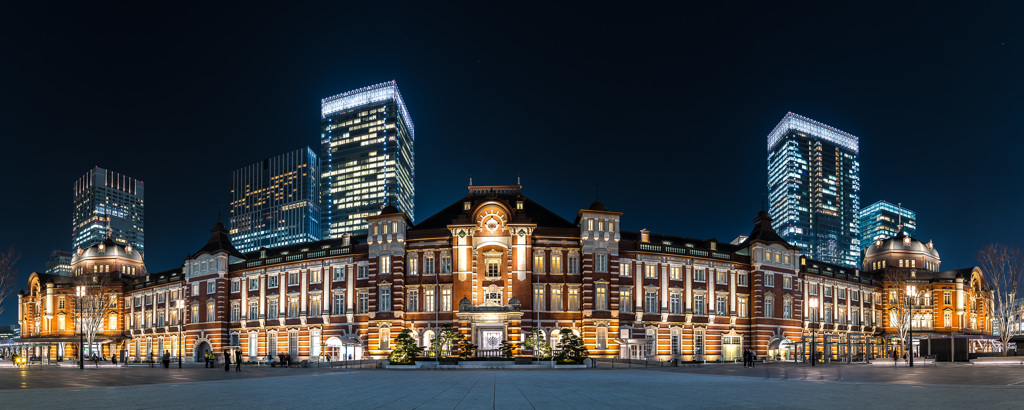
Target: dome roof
{"points": [[107, 248], [388, 210], [900, 243], [597, 206]]}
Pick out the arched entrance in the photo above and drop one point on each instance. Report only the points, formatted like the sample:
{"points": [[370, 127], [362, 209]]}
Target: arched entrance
{"points": [[202, 348], [780, 348], [333, 348]]}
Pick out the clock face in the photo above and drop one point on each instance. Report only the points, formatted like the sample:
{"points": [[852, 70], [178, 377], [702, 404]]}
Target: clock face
{"points": [[492, 224]]}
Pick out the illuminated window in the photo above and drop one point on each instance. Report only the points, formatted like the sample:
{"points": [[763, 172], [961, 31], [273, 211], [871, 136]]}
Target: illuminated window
{"points": [[538, 263], [769, 307], [624, 269], [601, 297], [314, 305], [446, 264], [211, 314], [556, 298], [721, 306], [675, 273], [625, 299], [446, 300], [556, 263], [651, 271], [429, 302], [741, 306], [384, 265], [493, 271], [538, 298]]}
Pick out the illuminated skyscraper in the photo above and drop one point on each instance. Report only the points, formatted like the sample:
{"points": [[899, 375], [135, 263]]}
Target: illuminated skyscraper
{"points": [[814, 189], [276, 202], [59, 263], [880, 220], [107, 202], [366, 140]]}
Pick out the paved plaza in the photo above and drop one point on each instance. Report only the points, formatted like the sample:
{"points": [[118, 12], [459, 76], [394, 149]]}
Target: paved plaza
{"points": [[777, 386]]}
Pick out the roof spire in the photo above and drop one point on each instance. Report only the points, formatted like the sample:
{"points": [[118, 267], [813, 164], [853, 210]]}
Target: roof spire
{"points": [[597, 192], [899, 217], [518, 182]]}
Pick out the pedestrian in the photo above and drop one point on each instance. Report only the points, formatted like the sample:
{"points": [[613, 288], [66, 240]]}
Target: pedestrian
{"points": [[227, 360], [894, 358], [238, 360], [753, 357], [746, 357], [113, 360], [167, 360], [95, 360]]}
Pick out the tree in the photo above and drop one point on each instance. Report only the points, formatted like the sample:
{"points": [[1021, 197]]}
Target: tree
{"points": [[466, 348], [507, 349], [899, 302], [444, 341], [1003, 268], [8, 274], [572, 348], [92, 297], [535, 341], [405, 351]]}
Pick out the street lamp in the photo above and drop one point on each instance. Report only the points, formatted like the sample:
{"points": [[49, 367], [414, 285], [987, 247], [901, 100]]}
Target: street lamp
{"points": [[911, 292], [181, 321], [80, 292], [814, 350]]}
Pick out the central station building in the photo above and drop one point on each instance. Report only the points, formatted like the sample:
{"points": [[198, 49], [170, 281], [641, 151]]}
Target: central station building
{"points": [[497, 266]]}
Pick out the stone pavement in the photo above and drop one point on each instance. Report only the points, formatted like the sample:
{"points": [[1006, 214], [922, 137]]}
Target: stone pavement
{"points": [[708, 387]]}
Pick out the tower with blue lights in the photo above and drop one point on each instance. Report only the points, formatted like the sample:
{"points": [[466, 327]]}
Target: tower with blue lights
{"points": [[814, 189], [366, 149]]}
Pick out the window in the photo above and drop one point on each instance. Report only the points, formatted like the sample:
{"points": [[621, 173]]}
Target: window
{"points": [[314, 275], [538, 298], [828, 314], [625, 299], [272, 281], [602, 337], [769, 280], [446, 300], [855, 295], [236, 313], [721, 306], [721, 277], [254, 283], [787, 309], [314, 343], [812, 289], [574, 298], [384, 265], [769, 307], [338, 304], [493, 271], [414, 300], [947, 298], [446, 264], [429, 305], [828, 291], [412, 264], [601, 262], [651, 271], [364, 303], [855, 317], [674, 273], [538, 263], [236, 286], [293, 344], [651, 348], [573, 264], [787, 282], [743, 279], [698, 304], [947, 318], [339, 274], [211, 313], [272, 344], [384, 295], [741, 307], [273, 309], [254, 309], [841, 317], [674, 342], [601, 297], [254, 344], [675, 305], [698, 342], [842, 293], [428, 265], [624, 269], [195, 313], [211, 287], [314, 305], [60, 303], [293, 306], [699, 275], [556, 263], [556, 297], [363, 272], [293, 278]]}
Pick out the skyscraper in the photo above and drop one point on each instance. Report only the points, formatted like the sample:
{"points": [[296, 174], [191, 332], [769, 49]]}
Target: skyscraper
{"points": [[59, 263], [880, 220], [366, 140], [276, 202], [814, 189], [107, 203]]}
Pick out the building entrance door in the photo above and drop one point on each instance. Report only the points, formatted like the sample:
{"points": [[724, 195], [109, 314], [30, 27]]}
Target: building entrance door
{"points": [[491, 339]]}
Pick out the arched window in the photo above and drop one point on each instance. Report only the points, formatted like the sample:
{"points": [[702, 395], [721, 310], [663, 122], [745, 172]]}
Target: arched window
{"points": [[428, 336]]}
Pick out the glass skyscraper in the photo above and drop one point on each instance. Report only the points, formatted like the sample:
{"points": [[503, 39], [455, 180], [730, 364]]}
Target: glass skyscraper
{"points": [[107, 203], [814, 189], [366, 140], [276, 202], [880, 220]]}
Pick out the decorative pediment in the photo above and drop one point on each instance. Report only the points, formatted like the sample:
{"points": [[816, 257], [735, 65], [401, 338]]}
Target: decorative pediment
{"points": [[493, 253]]}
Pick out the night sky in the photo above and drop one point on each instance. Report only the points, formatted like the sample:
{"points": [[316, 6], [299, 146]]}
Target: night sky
{"points": [[667, 108]]}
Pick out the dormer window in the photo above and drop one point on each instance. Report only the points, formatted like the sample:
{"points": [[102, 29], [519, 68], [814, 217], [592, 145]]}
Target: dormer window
{"points": [[645, 236], [466, 205], [519, 205]]}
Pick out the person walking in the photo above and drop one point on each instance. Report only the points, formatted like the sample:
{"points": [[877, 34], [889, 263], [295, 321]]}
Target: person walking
{"points": [[167, 360], [238, 360], [746, 357], [894, 358], [753, 357], [227, 360], [95, 360]]}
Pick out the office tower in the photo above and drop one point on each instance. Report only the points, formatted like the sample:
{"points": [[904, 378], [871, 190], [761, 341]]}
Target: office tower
{"points": [[59, 263], [366, 139], [276, 202], [814, 189], [107, 203], [881, 220]]}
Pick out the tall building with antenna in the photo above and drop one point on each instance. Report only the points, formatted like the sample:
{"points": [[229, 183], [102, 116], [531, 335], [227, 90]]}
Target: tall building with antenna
{"points": [[366, 148], [107, 203], [814, 189]]}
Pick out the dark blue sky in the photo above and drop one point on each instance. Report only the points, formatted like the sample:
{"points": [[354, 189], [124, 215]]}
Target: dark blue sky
{"points": [[667, 108]]}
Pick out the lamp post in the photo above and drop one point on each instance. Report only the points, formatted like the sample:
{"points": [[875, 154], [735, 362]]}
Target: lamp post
{"points": [[80, 292], [814, 350], [911, 292], [181, 321]]}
